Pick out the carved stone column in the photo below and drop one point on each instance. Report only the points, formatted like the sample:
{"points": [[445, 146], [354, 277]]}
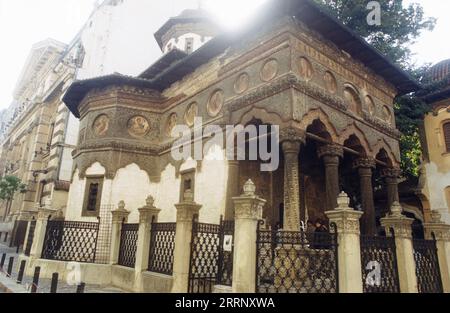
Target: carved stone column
{"points": [[364, 167], [291, 141], [349, 249], [331, 155], [119, 216], [441, 232], [147, 215], [391, 176], [404, 247], [232, 188], [248, 208], [185, 218]]}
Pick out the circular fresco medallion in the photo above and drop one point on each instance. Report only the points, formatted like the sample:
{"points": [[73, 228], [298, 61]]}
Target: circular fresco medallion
{"points": [[215, 103], [370, 105], [138, 126], [387, 115], [330, 82], [269, 70], [304, 68], [242, 83], [100, 125], [191, 114], [171, 123]]}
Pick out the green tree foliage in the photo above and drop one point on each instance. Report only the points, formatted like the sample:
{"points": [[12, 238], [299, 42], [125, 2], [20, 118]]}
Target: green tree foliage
{"points": [[9, 185], [400, 26]]}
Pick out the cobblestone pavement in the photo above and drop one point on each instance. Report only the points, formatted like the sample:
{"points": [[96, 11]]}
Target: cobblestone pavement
{"points": [[44, 284]]}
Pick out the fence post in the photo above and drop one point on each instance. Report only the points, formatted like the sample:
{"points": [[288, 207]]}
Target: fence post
{"points": [[349, 247], [186, 211], [44, 214], [147, 215], [404, 246], [248, 211], [441, 232], [119, 216]]}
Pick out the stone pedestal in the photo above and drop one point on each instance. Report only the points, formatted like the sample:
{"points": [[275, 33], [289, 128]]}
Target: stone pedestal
{"points": [[147, 215], [43, 216], [186, 211], [440, 231], [331, 155], [404, 247], [349, 249], [119, 216], [248, 211]]}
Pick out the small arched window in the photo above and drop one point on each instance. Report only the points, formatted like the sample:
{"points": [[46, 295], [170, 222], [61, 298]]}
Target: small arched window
{"points": [[447, 135]]}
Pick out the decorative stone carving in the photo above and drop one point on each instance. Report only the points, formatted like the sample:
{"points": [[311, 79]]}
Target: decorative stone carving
{"points": [[172, 121], [330, 82], [242, 83], [191, 113], [364, 163], [187, 209], [387, 115], [345, 218], [304, 68], [100, 125], [120, 214], [269, 70], [353, 100], [398, 222], [292, 134], [149, 213], [138, 126], [370, 105], [391, 172], [215, 103], [249, 205]]}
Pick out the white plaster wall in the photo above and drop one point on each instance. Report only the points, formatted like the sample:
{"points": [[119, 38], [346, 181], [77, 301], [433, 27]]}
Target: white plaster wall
{"points": [[437, 182]]}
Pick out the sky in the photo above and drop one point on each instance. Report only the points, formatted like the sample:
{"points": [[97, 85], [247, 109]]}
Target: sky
{"points": [[25, 22]]}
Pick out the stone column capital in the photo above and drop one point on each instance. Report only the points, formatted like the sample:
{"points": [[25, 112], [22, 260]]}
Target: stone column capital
{"points": [[437, 228], [398, 222], [292, 134], [330, 150], [391, 173], [187, 209], [345, 218], [120, 214], [44, 213], [248, 205], [364, 163], [149, 213]]}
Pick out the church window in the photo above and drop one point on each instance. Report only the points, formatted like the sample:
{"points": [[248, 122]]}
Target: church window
{"points": [[93, 193], [187, 182], [189, 45]]}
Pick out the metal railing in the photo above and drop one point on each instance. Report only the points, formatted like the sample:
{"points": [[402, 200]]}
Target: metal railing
{"points": [[427, 266], [128, 245], [162, 247]]}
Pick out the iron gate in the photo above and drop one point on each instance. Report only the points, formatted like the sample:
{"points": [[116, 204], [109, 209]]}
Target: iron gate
{"points": [[30, 237], [296, 262], [162, 246], [128, 245], [210, 263], [70, 241], [379, 265], [427, 266]]}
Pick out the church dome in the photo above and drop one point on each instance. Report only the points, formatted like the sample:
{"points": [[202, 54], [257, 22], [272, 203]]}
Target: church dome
{"points": [[187, 31], [439, 71]]}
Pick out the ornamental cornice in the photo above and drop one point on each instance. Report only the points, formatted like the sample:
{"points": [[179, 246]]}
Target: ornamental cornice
{"points": [[117, 145]]}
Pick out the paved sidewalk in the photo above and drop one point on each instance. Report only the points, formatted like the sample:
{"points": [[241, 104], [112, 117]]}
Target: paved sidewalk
{"points": [[9, 284]]}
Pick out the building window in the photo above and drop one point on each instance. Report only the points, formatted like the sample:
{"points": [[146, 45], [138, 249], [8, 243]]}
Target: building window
{"points": [[93, 195], [187, 183], [447, 136], [189, 45]]}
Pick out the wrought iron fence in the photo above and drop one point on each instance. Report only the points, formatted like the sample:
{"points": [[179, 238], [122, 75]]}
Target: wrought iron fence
{"points": [[30, 237], [296, 262], [70, 241], [379, 265], [204, 262], [102, 254], [128, 245], [226, 253], [162, 247], [427, 266]]}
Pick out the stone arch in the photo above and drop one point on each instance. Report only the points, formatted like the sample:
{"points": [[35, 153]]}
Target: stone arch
{"points": [[414, 210], [319, 114], [382, 145], [354, 130], [261, 114]]}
